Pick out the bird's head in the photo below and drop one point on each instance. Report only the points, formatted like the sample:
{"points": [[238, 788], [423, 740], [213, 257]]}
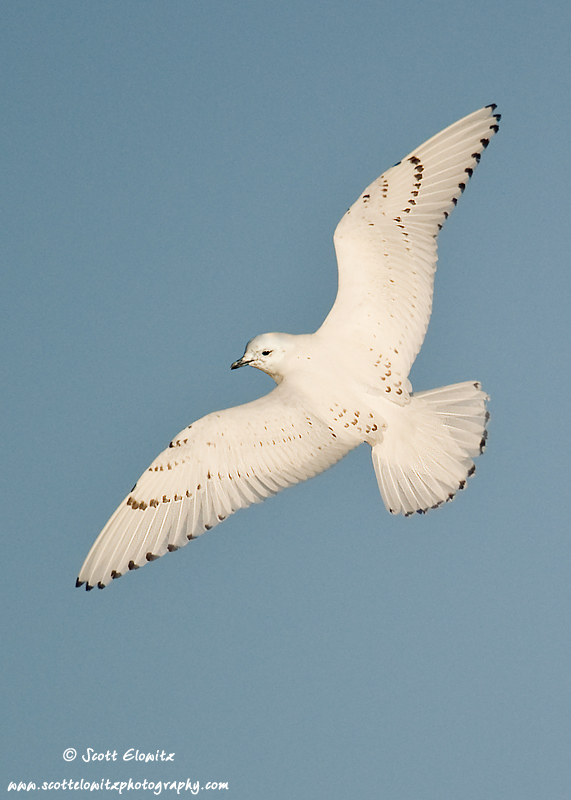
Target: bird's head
{"points": [[268, 353]]}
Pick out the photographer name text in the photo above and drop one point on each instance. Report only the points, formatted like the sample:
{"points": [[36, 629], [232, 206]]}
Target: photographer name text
{"points": [[128, 755]]}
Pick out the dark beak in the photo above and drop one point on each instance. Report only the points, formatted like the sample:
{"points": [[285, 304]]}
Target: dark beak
{"points": [[239, 363]]}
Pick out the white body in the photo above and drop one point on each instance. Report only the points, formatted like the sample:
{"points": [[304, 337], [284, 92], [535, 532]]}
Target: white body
{"points": [[339, 387]]}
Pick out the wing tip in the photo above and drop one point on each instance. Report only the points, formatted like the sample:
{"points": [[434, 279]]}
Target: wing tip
{"points": [[88, 586], [497, 117]]}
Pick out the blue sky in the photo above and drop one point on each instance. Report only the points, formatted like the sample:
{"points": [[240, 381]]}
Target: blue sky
{"points": [[173, 174]]}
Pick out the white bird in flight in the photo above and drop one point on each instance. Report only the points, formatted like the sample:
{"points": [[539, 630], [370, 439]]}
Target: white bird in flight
{"points": [[338, 387]]}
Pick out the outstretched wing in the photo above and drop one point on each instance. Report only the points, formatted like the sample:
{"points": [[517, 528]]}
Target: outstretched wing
{"points": [[224, 461], [386, 244]]}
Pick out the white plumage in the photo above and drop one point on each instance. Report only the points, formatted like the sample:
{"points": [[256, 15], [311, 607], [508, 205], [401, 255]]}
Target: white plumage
{"points": [[341, 386]]}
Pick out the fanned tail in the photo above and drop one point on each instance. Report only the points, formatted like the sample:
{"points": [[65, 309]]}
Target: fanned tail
{"points": [[427, 451]]}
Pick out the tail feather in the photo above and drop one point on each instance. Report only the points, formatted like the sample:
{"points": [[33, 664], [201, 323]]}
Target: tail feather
{"points": [[427, 450]]}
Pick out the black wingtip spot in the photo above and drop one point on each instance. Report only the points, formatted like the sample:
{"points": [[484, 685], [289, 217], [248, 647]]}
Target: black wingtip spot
{"points": [[88, 588], [476, 157], [78, 583], [172, 548], [472, 470], [469, 171], [492, 106], [484, 143], [116, 574], [151, 557], [100, 585], [132, 565]]}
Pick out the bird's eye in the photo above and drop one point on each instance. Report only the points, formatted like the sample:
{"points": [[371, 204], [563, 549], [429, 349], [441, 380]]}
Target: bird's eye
{"points": [[266, 352]]}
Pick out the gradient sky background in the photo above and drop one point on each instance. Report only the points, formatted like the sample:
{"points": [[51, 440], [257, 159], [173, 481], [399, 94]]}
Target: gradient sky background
{"points": [[173, 173]]}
